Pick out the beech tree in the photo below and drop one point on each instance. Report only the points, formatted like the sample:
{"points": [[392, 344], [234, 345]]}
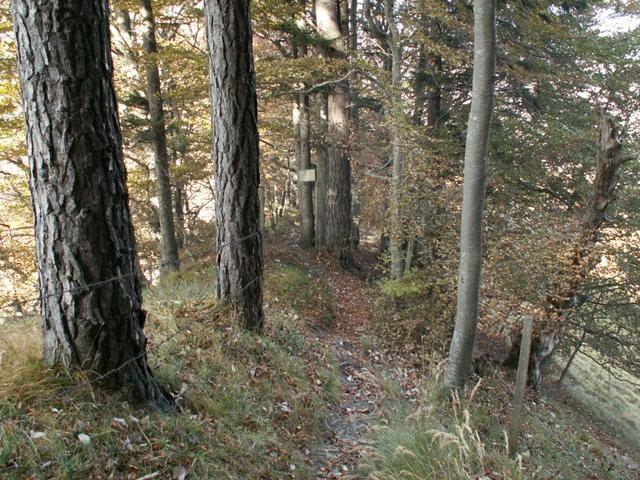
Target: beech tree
{"points": [[235, 151], [475, 174], [83, 228]]}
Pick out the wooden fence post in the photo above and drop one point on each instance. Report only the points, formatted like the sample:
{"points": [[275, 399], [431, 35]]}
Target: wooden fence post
{"points": [[521, 384]]}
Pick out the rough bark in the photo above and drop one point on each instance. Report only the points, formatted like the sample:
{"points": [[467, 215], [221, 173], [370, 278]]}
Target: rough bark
{"points": [[321, 174], [305, 189], [338, 208], [235, 151], [82, 221], [168, 242], [475, 171], [353, 25], [585, 256], [178, 211]]}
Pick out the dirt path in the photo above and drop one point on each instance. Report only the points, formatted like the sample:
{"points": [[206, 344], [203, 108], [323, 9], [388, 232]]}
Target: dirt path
{"points": [[362, 400]]}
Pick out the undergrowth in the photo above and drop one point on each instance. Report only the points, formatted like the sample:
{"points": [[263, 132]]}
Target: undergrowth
{"points": [[447, 437], [249, 406], [436, 439]]}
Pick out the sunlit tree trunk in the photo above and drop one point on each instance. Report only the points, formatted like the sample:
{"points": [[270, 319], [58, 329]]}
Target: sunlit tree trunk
{"points": [[82, 222], [305, 189], [475, 173], [321, 173], [235, 147], [584, 256], [168, 242], [338, 207]]}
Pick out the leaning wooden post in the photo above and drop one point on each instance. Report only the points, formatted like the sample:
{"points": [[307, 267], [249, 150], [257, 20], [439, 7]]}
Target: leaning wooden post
{"points": [[521, 383]]}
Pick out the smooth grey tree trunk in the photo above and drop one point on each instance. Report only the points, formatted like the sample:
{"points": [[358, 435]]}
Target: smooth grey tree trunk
{"points": [[168, 242], [236, 158], [78, 185], [302, 133], [338, 207], [475, 172]]}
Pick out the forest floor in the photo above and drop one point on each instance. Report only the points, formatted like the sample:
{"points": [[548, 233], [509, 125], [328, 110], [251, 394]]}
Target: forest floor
{"points": [[321, 395], [371, 380]]}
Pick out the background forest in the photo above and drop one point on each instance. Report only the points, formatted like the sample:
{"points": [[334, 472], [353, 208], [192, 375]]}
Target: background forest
{"points": [[399, 73]]}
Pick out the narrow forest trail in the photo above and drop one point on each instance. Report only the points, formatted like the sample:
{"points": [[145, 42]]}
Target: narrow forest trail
{"points": [[366, 372]]}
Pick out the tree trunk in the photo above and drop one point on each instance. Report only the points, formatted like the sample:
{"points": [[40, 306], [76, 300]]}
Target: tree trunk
{"points": [[338, 231], [178, 209], [305, 189], [236, 158], [434, 97], [321, 174], [572, 357], [584, 257], [302, 131], [396, 238], [80, 200], [475, 170], [389, 36], [168, 242], [353, 25]]}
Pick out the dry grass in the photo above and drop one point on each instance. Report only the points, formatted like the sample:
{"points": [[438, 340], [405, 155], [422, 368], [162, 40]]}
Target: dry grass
{"points": [[249, 407]]}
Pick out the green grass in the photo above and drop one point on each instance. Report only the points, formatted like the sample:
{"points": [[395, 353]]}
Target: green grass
{"points": [[251, 404], [293, 289]]}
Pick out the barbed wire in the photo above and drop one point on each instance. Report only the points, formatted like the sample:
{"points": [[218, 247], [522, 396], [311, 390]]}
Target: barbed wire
{"points": [[148, 349], [100, 283]]}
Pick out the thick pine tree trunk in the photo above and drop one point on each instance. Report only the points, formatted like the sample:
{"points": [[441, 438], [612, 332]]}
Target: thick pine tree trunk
{"points": [[168, 242], [475, 172], [338, 207], [82, 223], [338, 215], [235, 145]]}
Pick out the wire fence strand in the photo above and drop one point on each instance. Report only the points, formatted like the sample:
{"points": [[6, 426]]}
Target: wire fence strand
{"points": [[149, 349], [100, 283]]}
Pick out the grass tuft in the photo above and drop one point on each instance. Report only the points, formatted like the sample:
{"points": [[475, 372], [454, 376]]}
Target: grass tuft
{"points": [[249, 405]]}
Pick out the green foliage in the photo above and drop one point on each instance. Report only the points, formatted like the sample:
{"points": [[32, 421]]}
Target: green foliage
{"points": [[406, 286]]}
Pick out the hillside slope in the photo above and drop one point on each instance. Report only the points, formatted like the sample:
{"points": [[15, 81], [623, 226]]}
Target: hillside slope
{"points": [[320, 395]]}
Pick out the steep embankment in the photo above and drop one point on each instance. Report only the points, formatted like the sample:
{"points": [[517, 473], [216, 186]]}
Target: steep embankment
{"points": [[319, 395]]}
